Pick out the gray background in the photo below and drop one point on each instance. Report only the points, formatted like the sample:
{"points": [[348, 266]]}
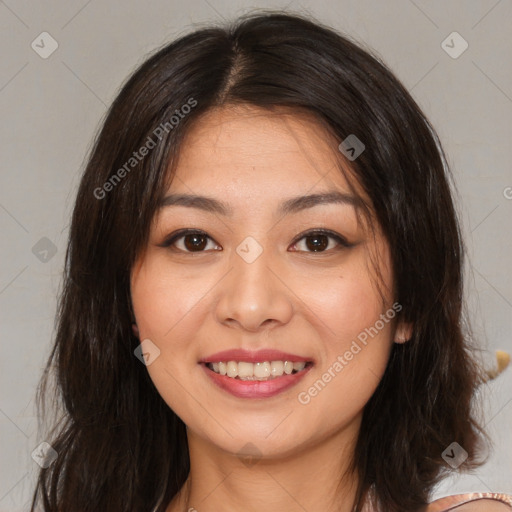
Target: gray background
{"points": [[50, 109]]}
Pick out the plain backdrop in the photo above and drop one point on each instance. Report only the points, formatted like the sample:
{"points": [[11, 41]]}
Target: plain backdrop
{"points": [[52, 105]]}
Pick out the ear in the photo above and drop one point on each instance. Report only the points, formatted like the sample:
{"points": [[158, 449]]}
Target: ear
{"points": [[403, 332], [135, 330]]}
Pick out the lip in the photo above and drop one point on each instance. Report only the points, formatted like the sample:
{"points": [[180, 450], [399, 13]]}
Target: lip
{"points": [[255, 388], [249, 356]]}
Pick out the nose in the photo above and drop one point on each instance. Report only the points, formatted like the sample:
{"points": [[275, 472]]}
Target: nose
{"points": [[254, 296]]}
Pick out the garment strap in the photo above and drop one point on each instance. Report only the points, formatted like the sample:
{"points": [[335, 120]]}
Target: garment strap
{"points": [[451, 502]]}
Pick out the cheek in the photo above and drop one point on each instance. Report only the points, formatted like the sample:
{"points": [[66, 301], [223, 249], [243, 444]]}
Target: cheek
{"points": [[347, 306], [162, 303], [162, 299], [354, 354], [356, 329], [345, 303]]}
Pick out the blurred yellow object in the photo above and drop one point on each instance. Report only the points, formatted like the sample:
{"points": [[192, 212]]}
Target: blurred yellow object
{"points": [[503, 360]]}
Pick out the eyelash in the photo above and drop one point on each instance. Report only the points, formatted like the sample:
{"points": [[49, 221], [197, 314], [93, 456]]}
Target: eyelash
{"points": [[330, 234]]}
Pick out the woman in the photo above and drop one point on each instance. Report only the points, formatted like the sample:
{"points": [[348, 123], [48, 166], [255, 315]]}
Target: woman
{"points": [[262, 304]]}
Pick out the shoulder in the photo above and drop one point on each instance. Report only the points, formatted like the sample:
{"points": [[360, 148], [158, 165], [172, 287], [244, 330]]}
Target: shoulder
{"points": [[473, 502], [483, 505]]}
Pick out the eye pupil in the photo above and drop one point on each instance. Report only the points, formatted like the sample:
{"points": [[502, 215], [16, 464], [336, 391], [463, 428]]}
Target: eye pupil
{"points": [[197, 241], [320, 242]]}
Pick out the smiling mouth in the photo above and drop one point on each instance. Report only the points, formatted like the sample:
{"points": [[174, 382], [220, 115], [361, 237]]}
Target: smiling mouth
{"points": [[260, 371]]}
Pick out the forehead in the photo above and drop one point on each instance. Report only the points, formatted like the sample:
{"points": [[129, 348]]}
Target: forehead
{"points": [[252, 148]]}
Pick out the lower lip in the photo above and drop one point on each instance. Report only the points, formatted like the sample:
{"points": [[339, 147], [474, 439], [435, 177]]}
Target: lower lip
{"points": [[255, 388]]}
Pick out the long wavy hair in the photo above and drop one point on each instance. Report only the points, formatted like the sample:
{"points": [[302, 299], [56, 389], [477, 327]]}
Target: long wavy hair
{"points": [[120, 447]]}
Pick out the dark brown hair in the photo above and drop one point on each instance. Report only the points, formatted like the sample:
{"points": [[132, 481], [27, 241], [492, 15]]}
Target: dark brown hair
{"points": [[116, 433]]}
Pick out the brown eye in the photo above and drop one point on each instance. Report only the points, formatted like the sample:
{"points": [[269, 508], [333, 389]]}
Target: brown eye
{"points": [[317, 242], [189, 241], [321, 241], [195, 242]]}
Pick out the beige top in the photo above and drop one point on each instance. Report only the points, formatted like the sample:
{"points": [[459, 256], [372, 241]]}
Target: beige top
{"points": [[451, 502]]}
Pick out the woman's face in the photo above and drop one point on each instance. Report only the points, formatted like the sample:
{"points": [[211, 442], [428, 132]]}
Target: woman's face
{"points": [[257, 276]]}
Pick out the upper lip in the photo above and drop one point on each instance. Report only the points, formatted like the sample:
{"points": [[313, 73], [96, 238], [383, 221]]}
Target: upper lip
{"points": [[253, 356]]}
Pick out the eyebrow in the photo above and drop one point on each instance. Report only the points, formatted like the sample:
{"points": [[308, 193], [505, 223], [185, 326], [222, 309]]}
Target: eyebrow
{"points": [[291, 205]]}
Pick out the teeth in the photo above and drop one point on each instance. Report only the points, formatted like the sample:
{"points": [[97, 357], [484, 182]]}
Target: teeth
{"points": [[232, 369], [244, 369], [264, 370], [261, 370], [276, 368]]}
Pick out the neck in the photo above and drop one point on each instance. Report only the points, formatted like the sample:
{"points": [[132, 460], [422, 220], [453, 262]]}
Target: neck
{"points": [[314, 478]]}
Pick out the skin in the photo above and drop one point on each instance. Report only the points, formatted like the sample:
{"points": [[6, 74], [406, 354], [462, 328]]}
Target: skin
{"points": [[291, 298], [483, 506]]}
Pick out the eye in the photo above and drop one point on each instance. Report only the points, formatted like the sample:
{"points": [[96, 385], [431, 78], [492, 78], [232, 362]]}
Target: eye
{"points": [[188, 240], [320, 240]]}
